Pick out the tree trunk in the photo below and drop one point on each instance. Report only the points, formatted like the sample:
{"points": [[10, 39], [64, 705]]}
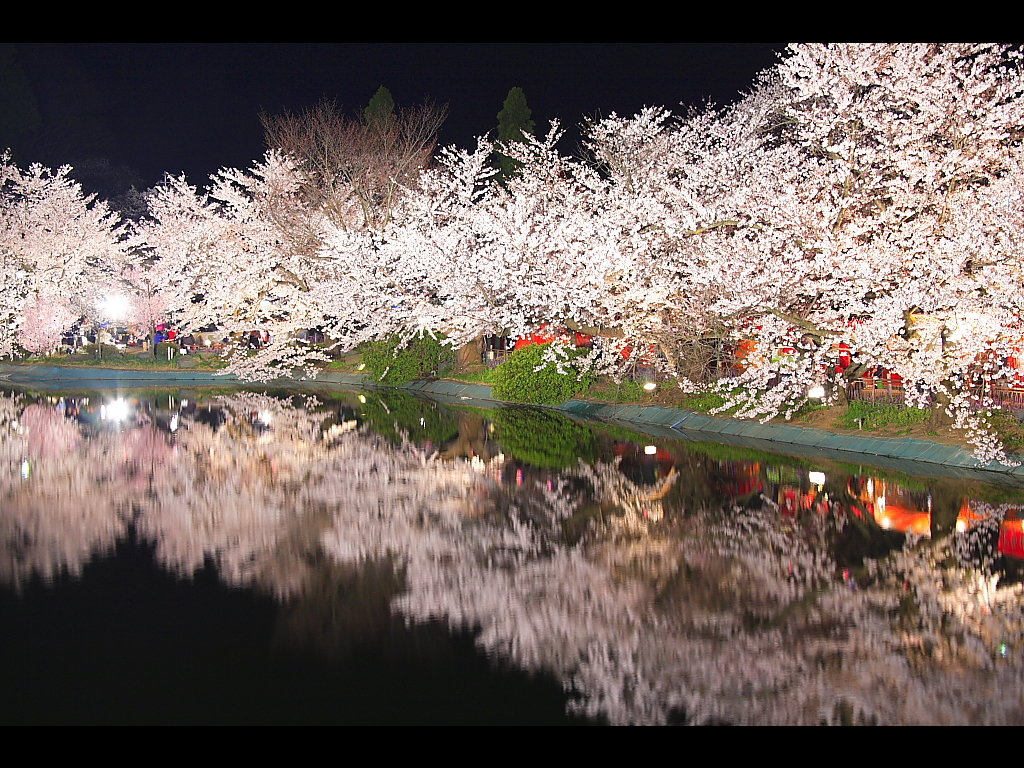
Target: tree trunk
{"points": [[939, 419], [841, 395], [850, 375], [469, 354]]}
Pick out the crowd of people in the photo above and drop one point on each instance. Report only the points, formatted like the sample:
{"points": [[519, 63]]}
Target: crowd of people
{"points": [[86, 333]]}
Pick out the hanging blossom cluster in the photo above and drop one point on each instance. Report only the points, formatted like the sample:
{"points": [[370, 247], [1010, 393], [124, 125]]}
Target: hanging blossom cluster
{"points": [[864, 200]]}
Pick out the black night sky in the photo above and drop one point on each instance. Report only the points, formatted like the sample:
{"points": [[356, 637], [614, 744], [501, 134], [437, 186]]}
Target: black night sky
{"points": [[154, 108]]}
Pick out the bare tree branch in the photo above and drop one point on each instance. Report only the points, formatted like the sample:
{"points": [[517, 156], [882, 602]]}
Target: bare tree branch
{"points": [[357, 168]]}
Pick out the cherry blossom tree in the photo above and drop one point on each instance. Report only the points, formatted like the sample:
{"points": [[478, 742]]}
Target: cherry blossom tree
{"points": [[220, 256], [859, 197], [47, 316], [907, 155], [56, 245]]}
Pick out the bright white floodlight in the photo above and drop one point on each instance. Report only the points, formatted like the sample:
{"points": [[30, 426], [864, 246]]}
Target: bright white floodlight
{"points": [[114, 307]]}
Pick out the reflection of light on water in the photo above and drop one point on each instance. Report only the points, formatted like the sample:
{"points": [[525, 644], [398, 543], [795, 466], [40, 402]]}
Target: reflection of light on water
{"points": [[26, 469], [174, 423], [115, 411], [340, 429]]}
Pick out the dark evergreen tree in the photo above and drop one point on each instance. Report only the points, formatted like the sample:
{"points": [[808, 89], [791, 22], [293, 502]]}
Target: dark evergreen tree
{"points": [[380, 112], [513, 121]]}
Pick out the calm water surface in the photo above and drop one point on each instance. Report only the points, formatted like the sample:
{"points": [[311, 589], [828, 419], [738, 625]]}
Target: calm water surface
{"points": [[187, 556]]}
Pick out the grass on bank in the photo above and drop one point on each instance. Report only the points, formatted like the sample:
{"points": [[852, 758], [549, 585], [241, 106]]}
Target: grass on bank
{"points": [[872, 416], [114, 358], [480, 375]]}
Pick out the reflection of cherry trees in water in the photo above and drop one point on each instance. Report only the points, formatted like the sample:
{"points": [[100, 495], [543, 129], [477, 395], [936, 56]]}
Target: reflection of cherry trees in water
{"points": [[643, 602], [61, 494], [233, 493]]}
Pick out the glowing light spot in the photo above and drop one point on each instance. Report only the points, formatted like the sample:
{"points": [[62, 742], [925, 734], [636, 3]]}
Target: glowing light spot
{"points": [[115, 411], [816, 392], [818, 478], [114, 307], [650, 450], [649, 386]]}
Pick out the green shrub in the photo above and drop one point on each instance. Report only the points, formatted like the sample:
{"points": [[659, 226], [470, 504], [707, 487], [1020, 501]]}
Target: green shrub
{"points": [[516, 380], [422, 356]]}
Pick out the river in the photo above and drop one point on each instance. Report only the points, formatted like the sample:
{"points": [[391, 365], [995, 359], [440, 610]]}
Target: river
{"points": [[230, 556]]}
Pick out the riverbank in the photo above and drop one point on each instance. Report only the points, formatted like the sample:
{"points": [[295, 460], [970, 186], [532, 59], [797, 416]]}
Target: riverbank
{"points": [[895, 453]]}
